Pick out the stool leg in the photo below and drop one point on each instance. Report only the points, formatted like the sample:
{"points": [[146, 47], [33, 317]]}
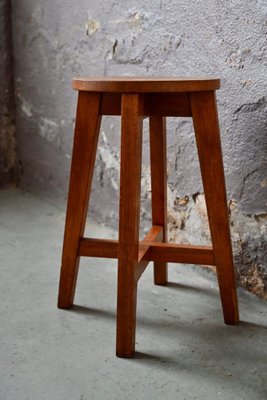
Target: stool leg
{"points": [[159, 187], [83, 159], [204, 113], [130, 177]]}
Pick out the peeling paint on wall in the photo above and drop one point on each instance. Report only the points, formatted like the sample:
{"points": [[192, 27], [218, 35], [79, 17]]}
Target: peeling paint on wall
{"points": [[133, 20], [188, 223], [92, 26], [48, 129], [25, 106]]}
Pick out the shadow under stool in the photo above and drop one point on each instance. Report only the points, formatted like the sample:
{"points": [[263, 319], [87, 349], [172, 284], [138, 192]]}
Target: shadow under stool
{"points": [[135, 99]]}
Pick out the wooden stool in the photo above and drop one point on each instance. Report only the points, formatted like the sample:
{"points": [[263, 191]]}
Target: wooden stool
{"points": [[135, 99]]}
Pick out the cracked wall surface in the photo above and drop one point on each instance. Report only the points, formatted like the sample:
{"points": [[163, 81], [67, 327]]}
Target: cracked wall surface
{"points": [[56, 41]]}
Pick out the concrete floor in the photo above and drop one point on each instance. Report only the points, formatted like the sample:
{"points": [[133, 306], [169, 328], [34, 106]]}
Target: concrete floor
{"points": [[184, 349]]}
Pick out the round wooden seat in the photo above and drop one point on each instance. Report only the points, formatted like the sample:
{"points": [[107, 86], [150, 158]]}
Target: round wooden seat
{"points": [[134, 84]]}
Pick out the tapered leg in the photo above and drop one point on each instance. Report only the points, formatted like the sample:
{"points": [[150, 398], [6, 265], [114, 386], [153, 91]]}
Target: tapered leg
{"points": [[130, 177], [204, 113], [83, 159], [159, 187]]}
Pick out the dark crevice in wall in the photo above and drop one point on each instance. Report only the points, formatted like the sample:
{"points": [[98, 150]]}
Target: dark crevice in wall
{"points": [[9, 164], [250, 107]]}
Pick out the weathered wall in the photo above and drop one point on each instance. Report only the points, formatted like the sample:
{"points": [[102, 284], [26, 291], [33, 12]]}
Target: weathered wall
{"points": [[56, 40], [9, 166]]}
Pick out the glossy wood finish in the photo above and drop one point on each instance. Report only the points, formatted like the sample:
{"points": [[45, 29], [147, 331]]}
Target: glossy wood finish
{"points": [[90, 247], [83, 159], [157, 131], [152, 236], [150, 250], [207, 133], [129, 215], [179, 253], [135, 99], [128, 84]]}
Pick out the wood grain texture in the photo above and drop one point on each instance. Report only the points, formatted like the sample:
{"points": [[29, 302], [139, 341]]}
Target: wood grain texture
{"points": [[83, 159], [157, 131], [134, 84], [103, 248], [155, 104], [181, 253], [107, 248], [129, 215], [167, 104], [154, 234], [206, 126], [150, 250]]}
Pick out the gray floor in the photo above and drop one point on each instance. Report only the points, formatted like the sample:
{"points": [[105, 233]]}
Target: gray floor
{"points": [[184, 350]]}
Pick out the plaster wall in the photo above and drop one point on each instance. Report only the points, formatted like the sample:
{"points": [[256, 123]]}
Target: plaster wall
{"points": [[56, 40]]}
